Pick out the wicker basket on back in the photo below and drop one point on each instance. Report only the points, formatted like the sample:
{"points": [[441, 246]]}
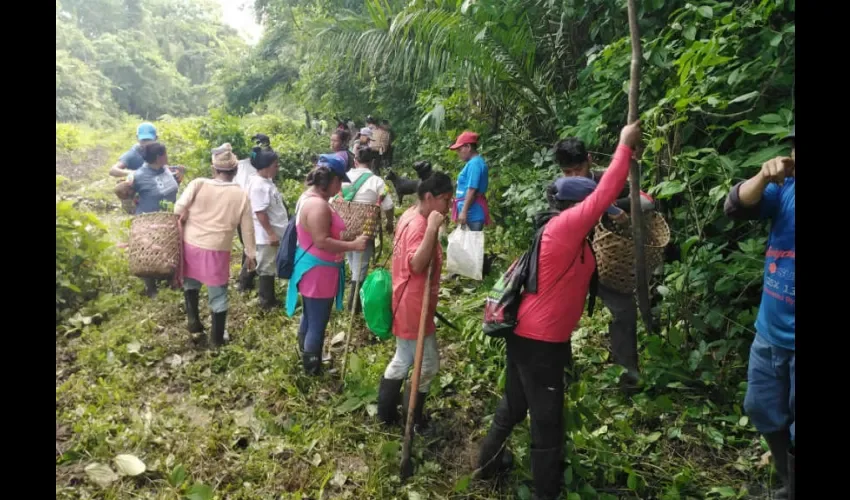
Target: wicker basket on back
{"points": [[155, 245], [615, 252], [359, 218]]}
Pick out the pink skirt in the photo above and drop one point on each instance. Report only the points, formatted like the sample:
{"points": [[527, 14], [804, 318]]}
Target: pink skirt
{"points": [[210, 267]]}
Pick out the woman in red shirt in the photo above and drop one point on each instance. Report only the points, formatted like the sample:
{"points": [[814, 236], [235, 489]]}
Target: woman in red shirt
{"points": [[415, 244], [539, 349]]}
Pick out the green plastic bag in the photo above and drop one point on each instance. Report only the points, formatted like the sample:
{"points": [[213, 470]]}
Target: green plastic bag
{"points": [[376, 296]]}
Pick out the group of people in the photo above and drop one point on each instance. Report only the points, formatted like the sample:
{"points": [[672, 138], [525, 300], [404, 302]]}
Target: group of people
{"points": [[539, 350]]}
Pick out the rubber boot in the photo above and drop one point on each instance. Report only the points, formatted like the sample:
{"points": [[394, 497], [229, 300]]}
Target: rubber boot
{"points": [[312, 363], [792, 472], [493, 454], [420, 424], [779, 444], [219, 320], [302, 336], [389, 393], [547, 470], [151, 290], [192, 313], [266, 292], [246, 279]]}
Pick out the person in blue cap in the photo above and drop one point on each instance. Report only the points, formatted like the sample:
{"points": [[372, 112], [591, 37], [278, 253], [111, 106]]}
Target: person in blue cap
{"points": [[319, 273], [769, 402], [132, 159]]}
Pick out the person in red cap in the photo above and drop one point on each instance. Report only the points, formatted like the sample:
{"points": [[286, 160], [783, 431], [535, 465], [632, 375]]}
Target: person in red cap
{"points": [[471, 185]]}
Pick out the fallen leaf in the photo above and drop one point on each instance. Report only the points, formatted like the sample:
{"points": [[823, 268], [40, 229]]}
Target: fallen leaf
{"points": [[129, 465], [339, 479], [134, 347], [175, 361], [765, 459], [244, 417], [200, 491], [372, 409], [317, 459], [101, 474], [338, 338]]}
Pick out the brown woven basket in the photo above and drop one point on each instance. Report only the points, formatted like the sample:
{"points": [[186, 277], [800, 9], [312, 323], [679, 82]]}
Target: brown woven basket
{"points": [[615, 254], [155, 246], [359, 218]]}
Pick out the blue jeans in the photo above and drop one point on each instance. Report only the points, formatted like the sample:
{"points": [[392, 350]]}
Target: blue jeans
{"points": [[475, 226], [770, 388], [218, 294], [314, 321]]}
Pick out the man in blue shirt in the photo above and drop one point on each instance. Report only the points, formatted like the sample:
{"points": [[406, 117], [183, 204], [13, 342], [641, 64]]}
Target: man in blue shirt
{"points": [[470, 207], [132, 159], [771, 194]]}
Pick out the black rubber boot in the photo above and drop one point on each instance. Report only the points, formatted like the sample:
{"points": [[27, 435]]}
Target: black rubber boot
{"points": [[779, 444], [792, 472], [266, 293], [151, 289], [493, 454], [312, 363], [420, 424], [219, 320], [246, 279], [547, 470], [301, 338], [193, 315], [389, 393]]}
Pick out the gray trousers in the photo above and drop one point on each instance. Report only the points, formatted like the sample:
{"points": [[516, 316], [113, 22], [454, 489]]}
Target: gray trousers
{"points": [[358, 262], [623, 327], [402, 361]]}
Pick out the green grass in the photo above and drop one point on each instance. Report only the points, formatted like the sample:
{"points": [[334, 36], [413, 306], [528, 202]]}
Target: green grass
{"points": [[245, 423]]}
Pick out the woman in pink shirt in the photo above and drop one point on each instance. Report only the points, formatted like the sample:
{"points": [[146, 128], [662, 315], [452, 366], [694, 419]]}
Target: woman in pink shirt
{"points": [[216, 207], [539, 348], [319, 274]]}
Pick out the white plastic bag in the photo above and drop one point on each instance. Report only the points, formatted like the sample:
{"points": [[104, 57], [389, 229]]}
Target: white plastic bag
{"points": [[466, 253]]}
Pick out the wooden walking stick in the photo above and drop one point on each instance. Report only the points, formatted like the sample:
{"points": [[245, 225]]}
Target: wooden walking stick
{"points": [[406, 464], [634, 178], [358, 260]]}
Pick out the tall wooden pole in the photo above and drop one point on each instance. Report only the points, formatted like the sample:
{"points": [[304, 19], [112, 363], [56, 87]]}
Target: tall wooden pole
{"points": [[634, 176]]}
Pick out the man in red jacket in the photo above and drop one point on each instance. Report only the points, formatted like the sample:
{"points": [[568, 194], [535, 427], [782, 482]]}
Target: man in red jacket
{"points": [[539, 348]]}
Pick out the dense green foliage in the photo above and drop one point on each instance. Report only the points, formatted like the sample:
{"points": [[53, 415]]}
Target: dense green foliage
{"points": [[716, 93], [144, 57]]}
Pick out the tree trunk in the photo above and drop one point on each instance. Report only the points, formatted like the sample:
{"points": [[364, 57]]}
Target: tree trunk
{"points": [[634, 177]]}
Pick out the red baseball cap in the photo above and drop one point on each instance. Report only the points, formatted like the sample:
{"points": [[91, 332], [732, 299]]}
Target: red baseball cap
{"points": [[465, 138]]}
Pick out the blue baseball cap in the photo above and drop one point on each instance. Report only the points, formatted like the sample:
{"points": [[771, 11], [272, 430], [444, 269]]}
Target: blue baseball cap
{"points": [[577, 188], [146, 132], [335, 163]]}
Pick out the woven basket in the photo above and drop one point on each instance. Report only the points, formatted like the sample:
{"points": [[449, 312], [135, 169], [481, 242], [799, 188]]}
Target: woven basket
{"points": [[359, 218], [615, 254], [155, 245]]}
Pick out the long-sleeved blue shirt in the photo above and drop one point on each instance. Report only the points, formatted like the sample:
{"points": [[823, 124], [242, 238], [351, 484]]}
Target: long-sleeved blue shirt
{"points": [[776, 318]]}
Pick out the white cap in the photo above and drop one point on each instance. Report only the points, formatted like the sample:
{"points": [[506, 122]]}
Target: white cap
{"points": [[366, 131]]}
